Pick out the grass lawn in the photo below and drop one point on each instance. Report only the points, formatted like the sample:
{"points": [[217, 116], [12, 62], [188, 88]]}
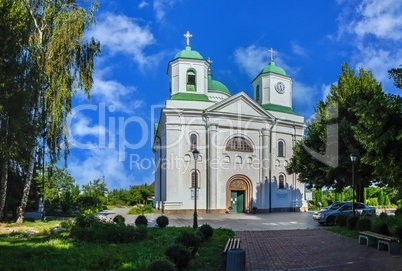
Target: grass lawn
{"points": [[60, 252]]}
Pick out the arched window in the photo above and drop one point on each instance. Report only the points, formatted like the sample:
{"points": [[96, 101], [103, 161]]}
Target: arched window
{"points": [[257, 93], [193, 142], [239, 144], [281, 148], [191, 82], [194, 179], [281, 184]]}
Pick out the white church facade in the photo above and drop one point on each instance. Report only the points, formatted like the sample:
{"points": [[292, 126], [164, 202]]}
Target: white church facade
{"points": [[244, 143]]}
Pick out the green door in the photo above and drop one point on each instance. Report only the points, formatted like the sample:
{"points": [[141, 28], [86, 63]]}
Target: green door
{"points": [[237, 201]]}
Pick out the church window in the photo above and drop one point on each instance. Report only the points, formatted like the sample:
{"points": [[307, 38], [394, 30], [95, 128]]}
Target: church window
{"points": [[193, 141], [281, 148], [257, 93], [281, 184], [239, 144], [191, 82], [194, 179], [238, 160]]}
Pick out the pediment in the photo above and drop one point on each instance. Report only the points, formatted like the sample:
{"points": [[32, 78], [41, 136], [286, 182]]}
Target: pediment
{"points": [[240, 104]]}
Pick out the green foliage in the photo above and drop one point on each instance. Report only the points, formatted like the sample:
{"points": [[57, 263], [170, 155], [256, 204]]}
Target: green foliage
{"points": [[162, 221], [340, 123], [372, 202], [86, 218], [119, 219], [144, 209], [398, 212], [162, 264], [190, 240], [179, 255], [352, 221], [70, 254], [141, 220], [364, 224], [341, 220], [102, 232], [207, 231]]}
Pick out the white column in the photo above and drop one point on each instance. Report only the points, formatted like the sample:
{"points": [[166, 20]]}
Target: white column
{"points": [[213, 165]]}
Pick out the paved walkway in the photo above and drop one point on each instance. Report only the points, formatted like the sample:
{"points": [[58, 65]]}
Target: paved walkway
{"points": [[287, 242]]}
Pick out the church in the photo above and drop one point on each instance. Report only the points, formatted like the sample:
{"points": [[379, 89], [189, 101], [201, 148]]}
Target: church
{"points": [[220, 152]]}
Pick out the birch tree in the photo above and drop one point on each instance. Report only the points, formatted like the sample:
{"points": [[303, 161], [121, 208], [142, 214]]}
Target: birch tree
{"points": [[63, 63]]}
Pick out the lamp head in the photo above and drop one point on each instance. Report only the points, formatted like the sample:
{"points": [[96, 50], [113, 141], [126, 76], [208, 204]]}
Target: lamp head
{"points": [[195, 154], [353, 157]]}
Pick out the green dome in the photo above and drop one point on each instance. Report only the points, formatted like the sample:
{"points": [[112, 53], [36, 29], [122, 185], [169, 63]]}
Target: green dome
{"points": [[271, 67], [216, 85], [188, 53]]}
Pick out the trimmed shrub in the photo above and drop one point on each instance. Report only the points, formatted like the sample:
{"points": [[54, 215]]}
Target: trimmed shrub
{"points": [[341, 220], [398, 231], [141, 220], [398, 212], [206, 231], [108, 233], [162, 221], [179, 255], [190, 240], [86, 218], [162, 264], [364, 224], [352, 221], [119, 219]]}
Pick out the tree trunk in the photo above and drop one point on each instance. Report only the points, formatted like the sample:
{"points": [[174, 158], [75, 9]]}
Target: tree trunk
{"points": [[3, 187], [27, 186]]}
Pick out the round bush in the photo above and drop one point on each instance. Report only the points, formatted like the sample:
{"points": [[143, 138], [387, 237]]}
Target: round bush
{"points": [[179, 255], [398, 212], [341, 220], [206, 231], [141, 220], [398, 231], [119, 219], [383, 229], [189, 240], [162, 221], [162, 265], [86, 218], [352, 221], [364, 224]]}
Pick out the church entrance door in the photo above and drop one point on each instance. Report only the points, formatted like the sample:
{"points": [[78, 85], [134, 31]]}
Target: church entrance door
{"points": [[237, 201]]}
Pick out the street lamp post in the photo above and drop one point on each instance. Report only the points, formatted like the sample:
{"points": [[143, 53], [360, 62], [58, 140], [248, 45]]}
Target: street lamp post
{"points": [[353, 158], [195, 155]]}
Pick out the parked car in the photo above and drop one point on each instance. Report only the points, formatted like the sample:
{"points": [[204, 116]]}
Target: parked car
{"points": [[328, 215]]}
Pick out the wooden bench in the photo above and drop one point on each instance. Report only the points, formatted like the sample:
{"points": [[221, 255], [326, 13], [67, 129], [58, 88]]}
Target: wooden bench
{"points": [[232, 243], [382, 242]]}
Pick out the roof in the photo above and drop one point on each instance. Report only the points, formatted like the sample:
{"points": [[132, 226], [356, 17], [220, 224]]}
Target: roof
{"points": [[278, 108], [271, 67], [216, 85], [188, 53], [190, 97]]}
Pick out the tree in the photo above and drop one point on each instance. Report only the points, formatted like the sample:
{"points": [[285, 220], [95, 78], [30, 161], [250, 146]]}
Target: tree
{"points": [[61, 63], [338, 115], [396, 75], [14, 111]]}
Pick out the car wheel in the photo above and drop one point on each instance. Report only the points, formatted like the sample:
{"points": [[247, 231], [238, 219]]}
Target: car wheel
{"points": [[367, 215], [330, 220]]}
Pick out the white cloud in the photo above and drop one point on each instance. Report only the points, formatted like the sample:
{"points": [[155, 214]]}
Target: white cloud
{"points": [[160, 7], [251, 59], [115, 94], [298, 50], [381, 18], [98, 163], [379, 61], [143, 4], [121, 34], [304, 98]]}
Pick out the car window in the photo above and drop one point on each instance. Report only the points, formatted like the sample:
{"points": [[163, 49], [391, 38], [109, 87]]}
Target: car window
{"points": [[346, 207], [335, 206], [359, 206]]}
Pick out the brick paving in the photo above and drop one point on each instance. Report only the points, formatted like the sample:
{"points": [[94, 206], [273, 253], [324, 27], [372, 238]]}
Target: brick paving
{"points": [[312, 249]]}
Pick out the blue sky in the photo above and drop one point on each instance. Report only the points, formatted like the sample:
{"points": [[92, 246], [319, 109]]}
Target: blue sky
{"points": [[111, 135]]}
